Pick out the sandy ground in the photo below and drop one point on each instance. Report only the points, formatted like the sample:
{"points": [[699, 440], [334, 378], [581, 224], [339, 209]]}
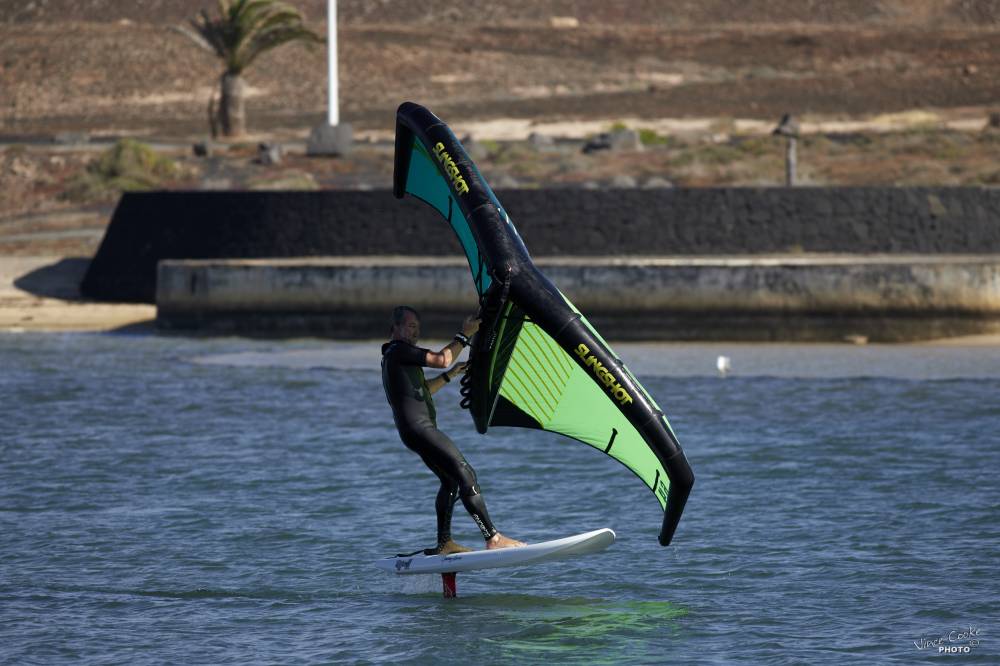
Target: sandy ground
{"points": [[966, 341], [42, 294]]}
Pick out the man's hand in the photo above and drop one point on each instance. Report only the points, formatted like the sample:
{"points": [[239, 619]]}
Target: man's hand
{"points": [[444, 358], [459, 369], [470, 326]]}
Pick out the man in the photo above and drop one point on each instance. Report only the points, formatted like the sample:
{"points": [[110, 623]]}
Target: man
{"points": [[409, 394]]}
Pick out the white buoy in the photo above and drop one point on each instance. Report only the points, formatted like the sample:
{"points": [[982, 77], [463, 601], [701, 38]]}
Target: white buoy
{"points": [[724, 365]]}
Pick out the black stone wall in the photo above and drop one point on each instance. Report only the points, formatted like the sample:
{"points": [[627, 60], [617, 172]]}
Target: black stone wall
{"points": [[150, 226]]}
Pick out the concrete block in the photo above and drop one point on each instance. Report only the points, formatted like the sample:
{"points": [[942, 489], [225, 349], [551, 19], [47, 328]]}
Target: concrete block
{"points": [[331, 140]]}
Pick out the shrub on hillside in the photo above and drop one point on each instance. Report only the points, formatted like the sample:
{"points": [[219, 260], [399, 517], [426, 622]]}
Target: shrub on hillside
{"points": [[127, 166]]}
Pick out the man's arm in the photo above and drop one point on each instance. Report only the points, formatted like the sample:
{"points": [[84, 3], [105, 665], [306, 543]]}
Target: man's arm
{"points": [[435, 384], [450, 351]]}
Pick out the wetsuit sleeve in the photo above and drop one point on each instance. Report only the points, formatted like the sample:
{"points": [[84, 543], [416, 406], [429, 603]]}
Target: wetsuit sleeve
{"points": [[406, 354]]}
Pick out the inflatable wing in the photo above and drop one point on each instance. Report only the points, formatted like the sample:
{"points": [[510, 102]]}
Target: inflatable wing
{"points": [[536, 361]]}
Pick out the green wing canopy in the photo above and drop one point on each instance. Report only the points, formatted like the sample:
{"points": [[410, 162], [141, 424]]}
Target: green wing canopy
{"points": [[536, 362], [545, 387]]}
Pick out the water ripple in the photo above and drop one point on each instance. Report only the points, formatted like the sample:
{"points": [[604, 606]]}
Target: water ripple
{"points": [[169, 500]]}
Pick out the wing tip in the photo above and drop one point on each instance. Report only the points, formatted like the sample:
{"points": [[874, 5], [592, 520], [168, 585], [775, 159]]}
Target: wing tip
{"points": [[681, 483]]}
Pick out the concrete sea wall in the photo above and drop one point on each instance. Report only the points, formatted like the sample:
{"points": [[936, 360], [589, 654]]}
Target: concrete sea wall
{"points": [[753, 263], [816, 298]]}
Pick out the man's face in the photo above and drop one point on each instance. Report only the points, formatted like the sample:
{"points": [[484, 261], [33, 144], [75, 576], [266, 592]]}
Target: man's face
{"points": [[409, 330]]}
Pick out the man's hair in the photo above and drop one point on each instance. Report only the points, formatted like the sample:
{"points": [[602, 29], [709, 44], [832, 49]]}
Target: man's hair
{"points": [[399, 313]]}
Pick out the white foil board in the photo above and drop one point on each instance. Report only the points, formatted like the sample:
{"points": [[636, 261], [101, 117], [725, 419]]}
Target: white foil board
{"points": [[535, 553]]}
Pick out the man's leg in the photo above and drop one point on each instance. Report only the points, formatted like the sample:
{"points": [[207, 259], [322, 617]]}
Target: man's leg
{"points": [[443, 506], [447, 462]]}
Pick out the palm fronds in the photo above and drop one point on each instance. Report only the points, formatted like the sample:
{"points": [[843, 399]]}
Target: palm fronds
{"points": [[244, 29]]}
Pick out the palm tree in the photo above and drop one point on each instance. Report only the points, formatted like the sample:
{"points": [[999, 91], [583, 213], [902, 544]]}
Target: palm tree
{"points": [[243, 30]]}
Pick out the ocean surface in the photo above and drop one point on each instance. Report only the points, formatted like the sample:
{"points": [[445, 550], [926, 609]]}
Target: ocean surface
{"points": [[221, 501]]}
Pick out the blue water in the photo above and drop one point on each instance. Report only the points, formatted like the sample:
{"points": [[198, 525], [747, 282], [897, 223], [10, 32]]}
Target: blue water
{"points": [[169, 500]]}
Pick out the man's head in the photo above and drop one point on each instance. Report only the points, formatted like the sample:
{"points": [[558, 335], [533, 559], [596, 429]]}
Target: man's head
{"points": [[405, 324]]}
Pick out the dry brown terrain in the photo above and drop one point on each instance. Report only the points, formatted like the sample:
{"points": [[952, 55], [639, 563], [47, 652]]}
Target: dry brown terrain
{"points": [[115, 66], [888, 91]]}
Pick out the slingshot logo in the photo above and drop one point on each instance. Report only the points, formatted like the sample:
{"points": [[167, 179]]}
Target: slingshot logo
{"points": [[960, 641], [451, 169], [403, 565], [603, 375]]}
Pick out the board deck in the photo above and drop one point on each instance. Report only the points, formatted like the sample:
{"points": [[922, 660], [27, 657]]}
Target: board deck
{"points": [[572, 546]]}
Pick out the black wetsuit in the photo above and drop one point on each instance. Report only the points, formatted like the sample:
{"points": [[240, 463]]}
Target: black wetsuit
{"points": [[415, 416]]}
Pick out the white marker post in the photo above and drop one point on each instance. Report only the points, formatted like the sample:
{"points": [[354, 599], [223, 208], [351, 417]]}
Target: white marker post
{"points": [[333, 138], [333, 102]]}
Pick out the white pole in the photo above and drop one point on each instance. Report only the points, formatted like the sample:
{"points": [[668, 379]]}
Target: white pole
{"points": [[791, 162], [331, 49]]}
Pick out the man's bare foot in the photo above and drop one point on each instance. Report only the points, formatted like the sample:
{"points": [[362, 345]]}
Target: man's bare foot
{"points": [[447, 548], [450, 547], [500, 541]]}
